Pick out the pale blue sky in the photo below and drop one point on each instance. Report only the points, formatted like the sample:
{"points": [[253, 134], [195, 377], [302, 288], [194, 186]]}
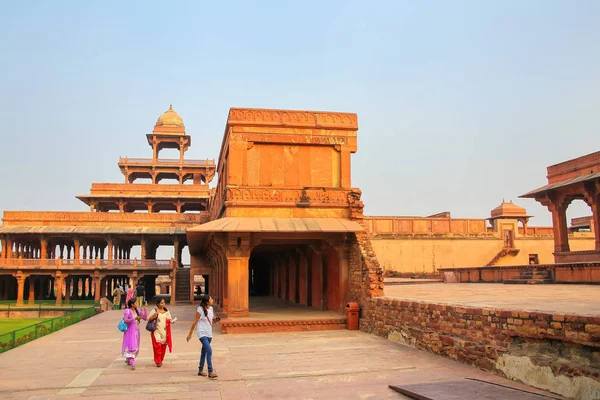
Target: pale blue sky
{"points": [[460, 104]]}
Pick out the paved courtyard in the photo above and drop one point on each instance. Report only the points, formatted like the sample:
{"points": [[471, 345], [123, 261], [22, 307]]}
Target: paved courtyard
{"points": [[563, 299], [83, 361]]}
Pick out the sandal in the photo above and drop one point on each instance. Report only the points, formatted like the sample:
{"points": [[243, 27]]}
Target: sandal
{"points": [[133, 367], [202, 373], [212, 375]]}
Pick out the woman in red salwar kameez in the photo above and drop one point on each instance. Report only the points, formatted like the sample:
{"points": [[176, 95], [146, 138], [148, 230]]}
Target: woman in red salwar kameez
{"points": [[161, 337]]}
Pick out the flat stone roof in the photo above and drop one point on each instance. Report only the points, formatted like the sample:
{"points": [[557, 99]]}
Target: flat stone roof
{"points": [[90, 230]]}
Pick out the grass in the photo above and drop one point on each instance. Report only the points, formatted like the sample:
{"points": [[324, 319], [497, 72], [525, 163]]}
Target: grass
{"points": [[11, 324]]}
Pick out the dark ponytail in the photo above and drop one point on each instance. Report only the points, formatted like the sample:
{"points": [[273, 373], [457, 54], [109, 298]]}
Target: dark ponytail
{"points": [[204, 303]]}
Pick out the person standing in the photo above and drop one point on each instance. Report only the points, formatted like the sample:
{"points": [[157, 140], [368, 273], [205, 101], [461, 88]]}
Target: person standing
{"points": [[140, 292], [117, 293], [130, 294], [131, 337], [161, 337], [203, 325]]}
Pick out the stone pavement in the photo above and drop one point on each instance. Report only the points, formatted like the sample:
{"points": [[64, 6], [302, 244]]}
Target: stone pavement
{"points": [[561, 299], [83, 361]]}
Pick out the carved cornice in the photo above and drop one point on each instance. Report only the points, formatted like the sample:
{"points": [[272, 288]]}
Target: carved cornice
{"points": [[313, 119]]}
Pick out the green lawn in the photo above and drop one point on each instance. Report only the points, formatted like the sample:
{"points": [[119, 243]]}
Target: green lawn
{"points": [[10, 324]]}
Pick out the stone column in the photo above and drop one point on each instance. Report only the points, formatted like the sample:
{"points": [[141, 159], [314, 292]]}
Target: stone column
{"points": [[9, 248], [596, 220], [4, 248], [20, 286], [176, 252], [344, 267], [60, 278], [143, 247], [181, 150], [31, 289], [559, 225], [69, 283], [97, 285], [237, 285], [110, 248], [77, 252], [275, 268], [238, 249]]}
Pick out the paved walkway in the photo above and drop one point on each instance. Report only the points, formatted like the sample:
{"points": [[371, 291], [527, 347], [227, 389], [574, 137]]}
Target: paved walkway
{"points": [[83, 361], [563, 299]]}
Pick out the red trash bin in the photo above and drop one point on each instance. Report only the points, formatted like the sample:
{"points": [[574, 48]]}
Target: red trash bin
{"points": [[352, 310]]}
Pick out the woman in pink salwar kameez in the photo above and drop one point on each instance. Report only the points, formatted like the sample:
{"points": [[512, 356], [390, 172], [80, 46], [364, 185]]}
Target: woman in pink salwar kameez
{"points": [[131, 337]]}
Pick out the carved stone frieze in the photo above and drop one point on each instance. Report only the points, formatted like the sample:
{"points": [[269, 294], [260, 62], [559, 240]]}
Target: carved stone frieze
{"points": [[293, 118], [287, 195]]}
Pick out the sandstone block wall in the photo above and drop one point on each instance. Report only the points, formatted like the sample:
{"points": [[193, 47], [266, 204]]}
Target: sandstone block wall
{"points": [[556, 352]]}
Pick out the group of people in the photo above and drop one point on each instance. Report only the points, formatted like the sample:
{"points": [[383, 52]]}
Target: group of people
{"points": [[121, 296], [161, 337]]}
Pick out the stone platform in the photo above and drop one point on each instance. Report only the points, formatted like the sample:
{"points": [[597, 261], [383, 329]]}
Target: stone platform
{"points": [[268, 314], [575, 272], [83, 361], [545, 335], [562, 299]]}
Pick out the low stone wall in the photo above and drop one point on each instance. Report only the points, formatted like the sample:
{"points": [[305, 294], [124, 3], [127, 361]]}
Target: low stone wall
{"points": [[34, 313], [555, 352]]}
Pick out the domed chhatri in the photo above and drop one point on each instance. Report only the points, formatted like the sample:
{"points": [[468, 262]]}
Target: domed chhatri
{"points": [[170, 118], [509, 210]]}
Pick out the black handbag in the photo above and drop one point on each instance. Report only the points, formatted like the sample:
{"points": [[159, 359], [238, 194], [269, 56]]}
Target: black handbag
{"points": [[151, 326]]}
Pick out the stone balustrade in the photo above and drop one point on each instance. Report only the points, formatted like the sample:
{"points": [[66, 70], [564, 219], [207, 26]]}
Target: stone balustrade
{"points": [[64, 264]]}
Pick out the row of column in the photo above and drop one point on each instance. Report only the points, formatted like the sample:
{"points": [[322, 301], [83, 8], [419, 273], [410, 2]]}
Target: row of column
{"points": [[13, 249], [61, 286], [316, 277], [150, 204]]}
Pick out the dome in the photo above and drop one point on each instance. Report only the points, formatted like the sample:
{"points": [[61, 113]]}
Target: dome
{"points": [[170, 118], [508, 210]]}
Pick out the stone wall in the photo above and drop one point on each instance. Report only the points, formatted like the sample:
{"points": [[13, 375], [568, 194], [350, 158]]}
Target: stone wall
{"points": [[555, 352], [425, 254], [365, 273]]}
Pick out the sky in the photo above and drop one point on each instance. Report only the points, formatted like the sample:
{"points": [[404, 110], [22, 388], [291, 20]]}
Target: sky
{"points": [[461, 104]]}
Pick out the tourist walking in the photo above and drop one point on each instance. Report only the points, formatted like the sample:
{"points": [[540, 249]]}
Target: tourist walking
{"points": [[140, 292], [131, 337], [130, 294], [161, 337], [117, 293], [203, 325]]}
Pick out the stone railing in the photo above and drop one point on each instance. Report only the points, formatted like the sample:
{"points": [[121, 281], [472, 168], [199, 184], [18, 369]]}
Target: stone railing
{"points": [[424, 226], [45, 218], [166, 161], [59, 263], [146, 188]]}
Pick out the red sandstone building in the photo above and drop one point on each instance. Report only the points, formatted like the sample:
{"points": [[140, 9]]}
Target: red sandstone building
{"points": [[283, 221], [86, 254]]}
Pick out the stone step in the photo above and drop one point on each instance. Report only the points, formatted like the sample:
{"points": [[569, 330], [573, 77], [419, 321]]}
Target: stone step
{"points": [[527, 281]]}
